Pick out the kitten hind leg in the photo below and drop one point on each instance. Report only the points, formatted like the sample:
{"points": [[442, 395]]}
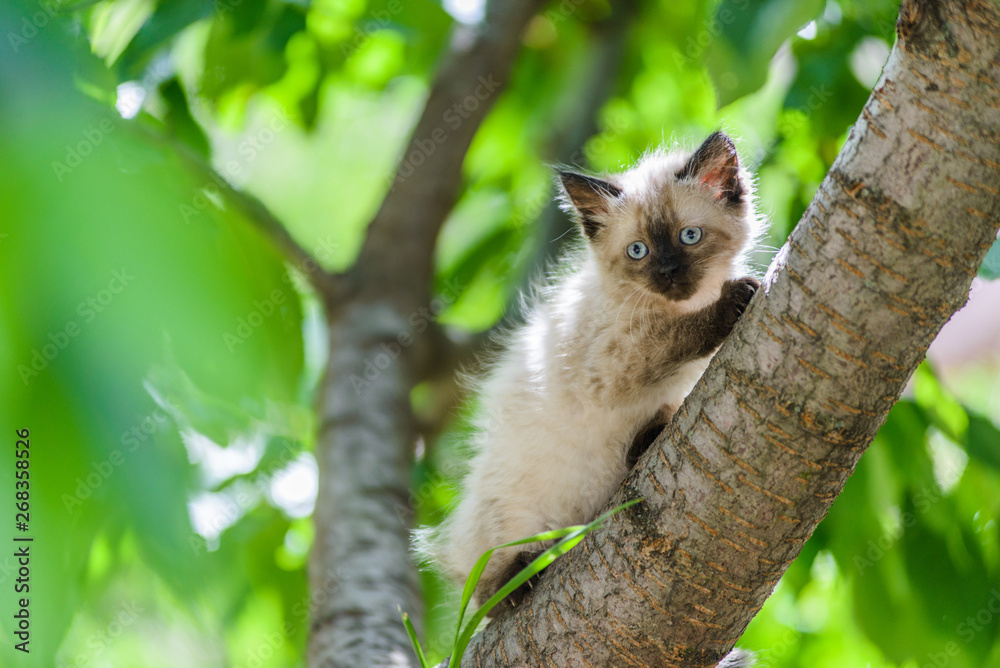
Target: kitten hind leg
{"points": [[647, 434], [488, 586], [476, 528]]}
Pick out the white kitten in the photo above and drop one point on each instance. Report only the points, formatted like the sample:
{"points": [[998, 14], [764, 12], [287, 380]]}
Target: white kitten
{"points": [[607, 354]]}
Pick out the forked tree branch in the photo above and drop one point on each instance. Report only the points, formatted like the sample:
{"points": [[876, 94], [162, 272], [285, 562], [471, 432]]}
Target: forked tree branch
{"points": [[884, 255], [331, 286]]}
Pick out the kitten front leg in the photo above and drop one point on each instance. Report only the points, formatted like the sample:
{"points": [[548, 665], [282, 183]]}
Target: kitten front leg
{"points": [[721, 317], [697, 334]]}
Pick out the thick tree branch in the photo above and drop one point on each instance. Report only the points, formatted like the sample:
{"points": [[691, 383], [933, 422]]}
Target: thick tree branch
{"points": [[737, 483]]}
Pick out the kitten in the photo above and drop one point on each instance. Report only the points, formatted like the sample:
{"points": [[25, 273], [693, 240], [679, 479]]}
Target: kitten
{"points": [[607, 355]]}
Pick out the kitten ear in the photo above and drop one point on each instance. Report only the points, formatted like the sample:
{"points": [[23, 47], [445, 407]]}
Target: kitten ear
{"points": [[715, 167], [589, 197]]}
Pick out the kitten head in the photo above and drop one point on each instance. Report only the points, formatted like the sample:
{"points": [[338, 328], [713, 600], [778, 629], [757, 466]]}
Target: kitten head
{"points": [[674, 223]]}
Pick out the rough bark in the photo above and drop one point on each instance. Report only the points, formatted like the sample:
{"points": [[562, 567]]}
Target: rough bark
{"points": [[360, 569], [884, 255]]}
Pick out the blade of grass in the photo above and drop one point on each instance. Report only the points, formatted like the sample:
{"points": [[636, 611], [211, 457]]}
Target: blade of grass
{"points": [[412, 632], [477, 571], [571, 537], [473, 580]]}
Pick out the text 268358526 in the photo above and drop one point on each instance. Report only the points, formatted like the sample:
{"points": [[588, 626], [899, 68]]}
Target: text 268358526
{"points": [[22, 542]]}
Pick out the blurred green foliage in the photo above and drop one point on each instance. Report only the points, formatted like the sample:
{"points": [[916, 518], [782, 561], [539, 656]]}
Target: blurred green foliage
{"points": [[164, 356]]}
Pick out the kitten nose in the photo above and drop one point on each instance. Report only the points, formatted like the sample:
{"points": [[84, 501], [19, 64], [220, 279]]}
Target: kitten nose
{"points": [[669, 266]]}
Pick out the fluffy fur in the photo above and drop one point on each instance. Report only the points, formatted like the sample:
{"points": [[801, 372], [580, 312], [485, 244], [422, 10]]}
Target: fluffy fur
{"points": [[607, 353]]}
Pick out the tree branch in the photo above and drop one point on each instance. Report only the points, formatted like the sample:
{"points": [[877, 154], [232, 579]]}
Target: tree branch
{"points": [[884, 255], [428, 179], [331, 286], [591, 82], [595, 75]]}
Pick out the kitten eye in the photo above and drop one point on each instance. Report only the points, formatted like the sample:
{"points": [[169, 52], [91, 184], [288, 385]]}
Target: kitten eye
{"points": [[637, 250], [690, 235]]}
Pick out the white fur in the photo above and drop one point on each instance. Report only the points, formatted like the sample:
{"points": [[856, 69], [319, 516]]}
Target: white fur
{"points": [[558, 412]]}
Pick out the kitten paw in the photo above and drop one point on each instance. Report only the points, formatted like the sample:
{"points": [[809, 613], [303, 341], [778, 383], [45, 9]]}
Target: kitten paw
{"points": [[736, 296]]}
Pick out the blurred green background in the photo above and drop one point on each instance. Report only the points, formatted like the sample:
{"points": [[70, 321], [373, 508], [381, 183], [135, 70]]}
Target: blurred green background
{"points": [[164, 356]]}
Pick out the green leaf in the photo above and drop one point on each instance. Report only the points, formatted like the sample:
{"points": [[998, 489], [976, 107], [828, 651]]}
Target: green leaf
{"points": [[982, 441], [170, 17], [477, 572], [947, 414], [749, 34], [244, 61], [824, 87], [904, 436], [179, 121], [412, 633], [192, 407]]}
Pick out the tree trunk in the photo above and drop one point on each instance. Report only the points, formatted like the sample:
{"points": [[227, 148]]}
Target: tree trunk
{"points": [[382, 339], [736, 484]]}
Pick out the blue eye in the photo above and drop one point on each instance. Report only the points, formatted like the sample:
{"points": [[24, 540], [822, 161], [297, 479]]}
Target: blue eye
{"points": [[637, 250], [690, 235]]}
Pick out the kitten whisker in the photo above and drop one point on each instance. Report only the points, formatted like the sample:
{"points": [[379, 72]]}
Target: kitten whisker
{"points": [[617, 315], [647, 296], [637, 302]]}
